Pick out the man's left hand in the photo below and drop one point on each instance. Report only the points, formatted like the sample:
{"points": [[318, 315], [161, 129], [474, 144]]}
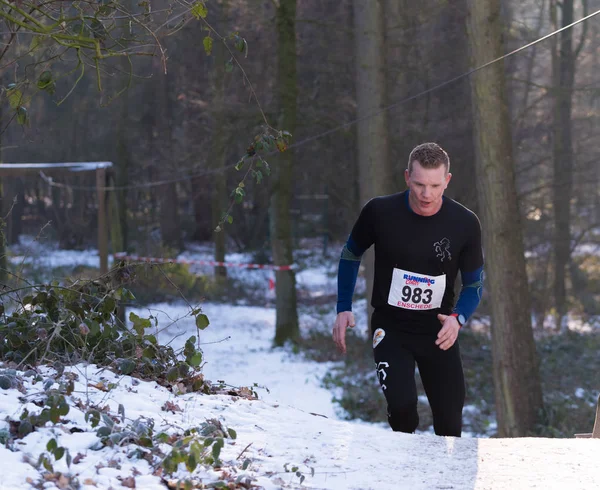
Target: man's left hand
{"points": [[449, 332]]}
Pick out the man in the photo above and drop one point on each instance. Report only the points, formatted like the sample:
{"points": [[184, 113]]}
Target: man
{"points": [[422, 239]]}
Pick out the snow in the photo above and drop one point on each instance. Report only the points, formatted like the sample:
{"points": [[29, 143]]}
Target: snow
{"points": [[294, 422]]}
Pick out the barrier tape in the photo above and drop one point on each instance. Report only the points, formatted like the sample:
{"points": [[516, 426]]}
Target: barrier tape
{"points": [[160, 260]]}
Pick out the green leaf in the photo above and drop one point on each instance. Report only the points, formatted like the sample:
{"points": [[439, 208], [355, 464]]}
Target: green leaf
{"points": [[103, 432], [239, 194], [232, 433], [15, 98], [229, 219], [22, 117], [63, 408], [246, 464], [35, 43], [47, 464], [45, 82], [107, 420], [162, 437], [240, 43], [196, 359], [216, 450], [199, 10], [126, 366], [202, 321], [191, 463], [240, 163], [52, 445], [173, 374], [59, 453], [54, 415], [139, 324], [229, 66], [208, 44], [93, 416]]}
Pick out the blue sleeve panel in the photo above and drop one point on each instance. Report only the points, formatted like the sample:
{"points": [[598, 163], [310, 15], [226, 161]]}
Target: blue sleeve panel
{"points": [[347, 274], [470, 293]]}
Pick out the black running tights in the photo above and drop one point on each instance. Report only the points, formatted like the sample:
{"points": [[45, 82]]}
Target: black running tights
{"points": [[441, 373]]}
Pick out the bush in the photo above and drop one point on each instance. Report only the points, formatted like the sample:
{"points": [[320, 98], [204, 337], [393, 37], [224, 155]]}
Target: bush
{"points": [[66, 325]]}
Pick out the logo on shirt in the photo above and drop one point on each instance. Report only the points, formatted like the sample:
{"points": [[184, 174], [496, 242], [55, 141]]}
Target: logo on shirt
{"points": [[442, 249]]}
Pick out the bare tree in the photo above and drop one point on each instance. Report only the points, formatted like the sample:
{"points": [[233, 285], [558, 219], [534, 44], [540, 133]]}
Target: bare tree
{"points": [[287, 327], [515, 363], [375, 170], [563, 75]]}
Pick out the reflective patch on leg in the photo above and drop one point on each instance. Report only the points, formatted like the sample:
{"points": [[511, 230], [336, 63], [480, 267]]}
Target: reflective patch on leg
{"points": [[382, 374], [378, 336]]}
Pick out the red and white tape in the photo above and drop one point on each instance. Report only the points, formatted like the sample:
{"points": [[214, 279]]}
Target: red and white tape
{"points": [[160, 260]]}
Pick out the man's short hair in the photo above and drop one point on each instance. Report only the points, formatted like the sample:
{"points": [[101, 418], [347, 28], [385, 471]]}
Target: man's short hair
{"points": [[429, 155]]}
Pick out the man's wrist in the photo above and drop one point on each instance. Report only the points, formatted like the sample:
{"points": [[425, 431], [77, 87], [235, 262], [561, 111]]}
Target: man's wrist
{"points": [[343, 306], [460, 318]]}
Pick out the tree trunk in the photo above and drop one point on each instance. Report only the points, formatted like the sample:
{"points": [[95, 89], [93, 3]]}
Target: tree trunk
{"points": [[563, 79], [287, 327], [3, 257], [201, 199], [515, 363], [121, 177], [218, 153], [374, 166], [13, 208], [170, 228]]}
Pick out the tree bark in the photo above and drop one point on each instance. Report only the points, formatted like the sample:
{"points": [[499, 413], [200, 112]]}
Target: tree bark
{"points": [[121, 176], [515, 363], [287, 327], [218, 152], [374, 166], [14, 205], [163, 141], [563, 74]]}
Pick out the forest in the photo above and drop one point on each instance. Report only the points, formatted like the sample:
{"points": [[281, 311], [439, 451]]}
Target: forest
{"points": [[262, 127]]}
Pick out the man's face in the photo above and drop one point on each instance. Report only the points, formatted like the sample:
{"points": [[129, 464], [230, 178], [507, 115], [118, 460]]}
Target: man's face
{"points": [[427, 186]]}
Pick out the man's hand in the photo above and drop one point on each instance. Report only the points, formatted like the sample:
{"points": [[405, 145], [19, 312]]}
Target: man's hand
{"points": [[449, 332], [343, 320]]}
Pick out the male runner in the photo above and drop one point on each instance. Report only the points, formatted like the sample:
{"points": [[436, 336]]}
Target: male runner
{"points": [[422, 239]]}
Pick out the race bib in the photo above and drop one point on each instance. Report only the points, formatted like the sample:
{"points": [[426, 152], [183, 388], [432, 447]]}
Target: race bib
{"points": [[414, 291]]}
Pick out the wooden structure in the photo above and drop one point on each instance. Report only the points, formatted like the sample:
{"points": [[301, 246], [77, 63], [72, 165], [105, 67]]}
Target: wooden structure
{"points": [[53, 170], [596, 430]]}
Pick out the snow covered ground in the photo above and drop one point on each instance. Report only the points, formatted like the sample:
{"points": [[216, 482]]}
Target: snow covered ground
{"points": [[293, 425]]}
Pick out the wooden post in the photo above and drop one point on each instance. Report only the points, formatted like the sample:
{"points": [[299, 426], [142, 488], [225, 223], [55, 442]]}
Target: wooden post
{"points": [[102, 228], [596, 430]]}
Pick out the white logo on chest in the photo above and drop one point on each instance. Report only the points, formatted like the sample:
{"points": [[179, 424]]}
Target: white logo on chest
{"points": [[442, 249]]}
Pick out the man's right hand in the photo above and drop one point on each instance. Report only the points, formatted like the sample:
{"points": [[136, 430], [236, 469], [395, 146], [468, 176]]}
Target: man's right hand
{"points": [[343, 320]]}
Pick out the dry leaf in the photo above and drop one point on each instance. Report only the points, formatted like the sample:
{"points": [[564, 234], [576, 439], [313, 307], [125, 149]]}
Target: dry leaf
{"points": [[170, 407], [78, 458], [128, 482], [99, 386]]}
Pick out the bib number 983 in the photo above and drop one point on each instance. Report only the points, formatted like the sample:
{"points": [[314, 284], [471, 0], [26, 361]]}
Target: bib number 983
{"points": [[417, 295], [414, 291]]}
